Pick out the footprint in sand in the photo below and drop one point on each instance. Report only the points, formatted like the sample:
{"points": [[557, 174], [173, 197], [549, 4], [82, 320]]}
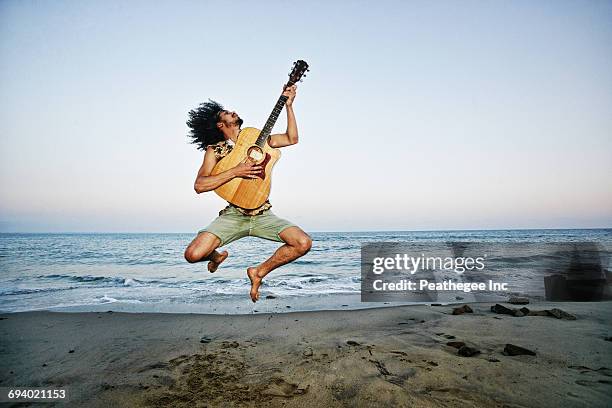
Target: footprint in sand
{"points": [[278, 387]]}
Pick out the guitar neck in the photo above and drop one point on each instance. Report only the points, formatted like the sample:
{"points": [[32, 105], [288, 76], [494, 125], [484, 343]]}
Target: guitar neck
{"points": [[267, 129]]}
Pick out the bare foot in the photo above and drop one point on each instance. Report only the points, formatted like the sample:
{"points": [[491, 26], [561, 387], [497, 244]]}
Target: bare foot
{"points": [[214, 264], [255, 282]]}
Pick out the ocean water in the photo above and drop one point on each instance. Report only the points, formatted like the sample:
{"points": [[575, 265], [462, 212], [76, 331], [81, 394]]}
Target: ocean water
{"points": [[147, 272]]}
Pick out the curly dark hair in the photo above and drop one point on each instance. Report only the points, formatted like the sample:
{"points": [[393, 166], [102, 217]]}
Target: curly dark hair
{"points": [[203, 123]]}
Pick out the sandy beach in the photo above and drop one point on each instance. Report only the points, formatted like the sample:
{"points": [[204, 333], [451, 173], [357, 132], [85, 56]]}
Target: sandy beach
{"points": [[387, 357]]}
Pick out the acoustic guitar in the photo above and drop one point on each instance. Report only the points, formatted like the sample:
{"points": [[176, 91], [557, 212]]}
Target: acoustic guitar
{"points": [[253, 144]]}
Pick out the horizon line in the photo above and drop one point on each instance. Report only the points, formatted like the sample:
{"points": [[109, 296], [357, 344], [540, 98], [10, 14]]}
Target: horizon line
{"points": [[317, 232]]}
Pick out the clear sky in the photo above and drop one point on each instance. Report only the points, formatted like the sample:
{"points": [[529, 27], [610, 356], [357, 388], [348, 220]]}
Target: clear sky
{"points": [[415, 115]]}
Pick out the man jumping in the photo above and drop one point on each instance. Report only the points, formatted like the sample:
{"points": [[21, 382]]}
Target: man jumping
{"points": [[215, 130]]}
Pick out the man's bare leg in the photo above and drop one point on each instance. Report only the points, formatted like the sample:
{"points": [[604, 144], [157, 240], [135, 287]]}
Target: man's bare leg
{"points": [[203, 248], [297, 243], [216, 258]]}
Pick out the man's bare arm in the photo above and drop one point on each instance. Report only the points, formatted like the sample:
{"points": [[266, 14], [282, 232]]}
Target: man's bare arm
{"points": [[205, 182], [290, 137]]}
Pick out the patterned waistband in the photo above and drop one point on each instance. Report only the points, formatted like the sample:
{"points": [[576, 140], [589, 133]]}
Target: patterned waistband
{"points": [[256, 211]]}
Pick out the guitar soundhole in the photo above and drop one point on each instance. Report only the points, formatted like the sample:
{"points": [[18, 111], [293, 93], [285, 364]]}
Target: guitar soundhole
{"points": [[256, 154]]}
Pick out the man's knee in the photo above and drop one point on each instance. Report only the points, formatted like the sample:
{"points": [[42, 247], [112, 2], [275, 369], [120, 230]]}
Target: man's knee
{"points": [[304, 243], [201, 248], [191, 255]]}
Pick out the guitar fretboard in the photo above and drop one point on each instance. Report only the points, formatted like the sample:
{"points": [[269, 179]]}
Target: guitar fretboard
{"points": [[267, 129]]}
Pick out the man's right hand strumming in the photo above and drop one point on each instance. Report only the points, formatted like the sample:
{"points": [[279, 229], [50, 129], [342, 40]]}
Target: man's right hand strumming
{"points": [[206, 182], [247, 169]]}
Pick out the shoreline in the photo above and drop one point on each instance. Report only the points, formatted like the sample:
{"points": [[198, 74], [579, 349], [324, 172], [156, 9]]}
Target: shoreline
{"points": [[383, 356], [243, 305]]}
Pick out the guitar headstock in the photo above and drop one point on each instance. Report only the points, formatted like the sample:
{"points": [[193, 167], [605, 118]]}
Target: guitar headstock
{"points": [[299, 70]]}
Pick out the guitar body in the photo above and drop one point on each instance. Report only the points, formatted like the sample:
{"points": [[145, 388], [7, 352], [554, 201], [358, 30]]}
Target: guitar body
{"points": [[245, 192]]}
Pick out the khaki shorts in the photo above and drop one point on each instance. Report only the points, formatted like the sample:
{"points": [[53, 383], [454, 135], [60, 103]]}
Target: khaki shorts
{"points": [[231, 225]]}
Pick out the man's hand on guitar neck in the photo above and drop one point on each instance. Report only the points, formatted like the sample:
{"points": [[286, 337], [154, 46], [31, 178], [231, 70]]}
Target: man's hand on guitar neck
{"points": [[290, 93], [290, 137]]}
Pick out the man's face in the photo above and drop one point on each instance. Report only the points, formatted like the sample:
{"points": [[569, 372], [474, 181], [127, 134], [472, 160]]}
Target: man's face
{"points": [[230, 118]]}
